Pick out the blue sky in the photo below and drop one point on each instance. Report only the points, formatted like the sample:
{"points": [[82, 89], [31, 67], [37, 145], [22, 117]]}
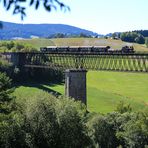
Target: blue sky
{"points": [[101, 16]]}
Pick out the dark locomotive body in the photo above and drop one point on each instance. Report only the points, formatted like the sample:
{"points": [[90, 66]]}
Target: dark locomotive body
{"points": [[86, 49]]}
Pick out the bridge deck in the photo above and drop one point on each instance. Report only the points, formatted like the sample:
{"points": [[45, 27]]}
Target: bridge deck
{"points": [[90, 61]]}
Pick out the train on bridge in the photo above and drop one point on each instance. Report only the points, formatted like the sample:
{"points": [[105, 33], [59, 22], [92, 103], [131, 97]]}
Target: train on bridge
{"points": [[87, 49]]}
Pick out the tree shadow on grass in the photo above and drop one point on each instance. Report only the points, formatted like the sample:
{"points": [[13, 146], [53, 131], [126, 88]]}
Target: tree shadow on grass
{"points": [[41, 86]]}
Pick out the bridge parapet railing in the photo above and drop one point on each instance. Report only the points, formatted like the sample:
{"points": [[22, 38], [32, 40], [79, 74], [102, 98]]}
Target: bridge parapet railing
{"points": [[90, 61]]}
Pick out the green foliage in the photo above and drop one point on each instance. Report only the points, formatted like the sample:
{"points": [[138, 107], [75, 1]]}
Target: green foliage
{"points": [[102, 132], [45, 121], [62, 35], [140, 39], [115, 129], [73, 132], [19, 6], [6, 46], [134, 132], [83, 35], [114, 35], [5, 91], [11, 131], [146, 42], [132, 37], [122, 107], [42, 120], [4, 64], [58, 35], [142, 32]]}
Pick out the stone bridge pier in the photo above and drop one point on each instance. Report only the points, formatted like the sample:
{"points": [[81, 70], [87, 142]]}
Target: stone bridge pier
{"points": [[75, 84]]}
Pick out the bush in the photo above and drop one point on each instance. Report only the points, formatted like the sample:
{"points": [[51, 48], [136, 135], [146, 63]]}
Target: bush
{"points": [[5, 91], [45, 121], [102, 132], [135, 132], [41, 122], [4, 64], [122, 107], [73, 131], [12, 134], [8, 46], [9, 128]]}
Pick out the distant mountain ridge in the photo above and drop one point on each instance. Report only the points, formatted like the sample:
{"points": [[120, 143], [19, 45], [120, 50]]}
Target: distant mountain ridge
{"points": [[14, 30]]}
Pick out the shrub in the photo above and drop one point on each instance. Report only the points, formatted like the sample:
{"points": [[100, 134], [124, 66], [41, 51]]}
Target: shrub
{"points": [[5, 91], [122, 107], [6, 46], [102, 132], [52, 122], [73, 131], [135, 132]]}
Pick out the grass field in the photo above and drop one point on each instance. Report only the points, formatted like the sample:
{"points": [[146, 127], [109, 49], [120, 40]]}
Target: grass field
{"points": [[115, 44], [37, 43], [104, 90]]}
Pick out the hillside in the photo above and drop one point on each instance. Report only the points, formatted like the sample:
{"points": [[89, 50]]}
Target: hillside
{"points": [[115, 44], [13, 30]]}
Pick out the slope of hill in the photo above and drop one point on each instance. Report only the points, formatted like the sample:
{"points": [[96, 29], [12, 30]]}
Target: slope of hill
{"points": [[36, 43], [13, 30], [114, 44]]}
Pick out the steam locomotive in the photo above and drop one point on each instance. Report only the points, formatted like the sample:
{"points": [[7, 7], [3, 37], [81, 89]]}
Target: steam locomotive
{"points": [[87, 49]]}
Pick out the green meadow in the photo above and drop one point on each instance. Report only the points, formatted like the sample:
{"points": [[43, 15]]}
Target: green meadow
{"points": [[104, 90], [115, 44], [37, 43]]}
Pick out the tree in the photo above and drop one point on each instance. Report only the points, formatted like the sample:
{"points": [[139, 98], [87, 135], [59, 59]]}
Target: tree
{"points": [[102, 132], [43, 121], [5, 91], [140, 39], [114, 35], [146, 42], [73, 131], [19, 6], [58, 35], [135, 131], [132, 37], [83, 35]]}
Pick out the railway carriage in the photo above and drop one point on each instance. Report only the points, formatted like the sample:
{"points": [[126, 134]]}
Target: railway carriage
{"points": [[87, 49]]}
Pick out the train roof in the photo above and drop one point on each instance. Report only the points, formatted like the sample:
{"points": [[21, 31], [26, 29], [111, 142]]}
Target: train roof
{"points": [[50, 47], [62, 46], [86, 46], [76, 47], [101, 46]]}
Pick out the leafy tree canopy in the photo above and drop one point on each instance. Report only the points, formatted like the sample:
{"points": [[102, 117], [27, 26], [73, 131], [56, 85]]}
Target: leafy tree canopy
{"points": [[132, 37], [19, 6], [5, 91]]}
